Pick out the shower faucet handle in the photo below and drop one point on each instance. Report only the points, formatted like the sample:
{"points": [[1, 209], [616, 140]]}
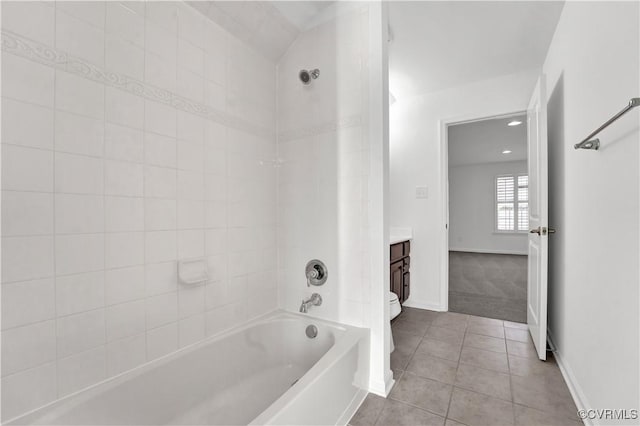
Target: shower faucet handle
{"points": [[312, 274]]}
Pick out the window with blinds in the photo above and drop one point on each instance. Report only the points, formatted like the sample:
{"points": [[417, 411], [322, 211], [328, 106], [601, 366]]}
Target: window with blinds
{"points": [[512, 203]]}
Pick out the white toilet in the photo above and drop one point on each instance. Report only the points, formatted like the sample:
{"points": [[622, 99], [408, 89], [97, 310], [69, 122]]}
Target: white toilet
{"points": [[394, 311]]}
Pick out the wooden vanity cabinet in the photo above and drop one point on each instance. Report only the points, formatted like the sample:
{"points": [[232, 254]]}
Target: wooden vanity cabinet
{"points": [[400, 275]]}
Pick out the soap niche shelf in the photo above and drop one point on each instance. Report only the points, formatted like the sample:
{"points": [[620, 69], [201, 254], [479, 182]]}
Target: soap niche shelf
{"points": [[193, 271]]}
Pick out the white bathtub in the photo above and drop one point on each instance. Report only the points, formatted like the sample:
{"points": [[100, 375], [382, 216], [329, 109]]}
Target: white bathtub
{"points": [[265, 372]]}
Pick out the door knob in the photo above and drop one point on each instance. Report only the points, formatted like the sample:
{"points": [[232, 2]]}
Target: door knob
{"points": [[543, 230]]}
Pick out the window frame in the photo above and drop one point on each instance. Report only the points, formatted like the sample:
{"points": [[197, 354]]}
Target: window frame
{"points": [[516, 203]]}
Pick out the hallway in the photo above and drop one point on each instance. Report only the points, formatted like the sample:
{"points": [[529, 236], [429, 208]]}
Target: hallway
{"points": [[460, 369]]}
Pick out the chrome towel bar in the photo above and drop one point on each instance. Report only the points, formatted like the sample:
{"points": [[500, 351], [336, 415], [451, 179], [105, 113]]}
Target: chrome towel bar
{"points": [[589, 143]]}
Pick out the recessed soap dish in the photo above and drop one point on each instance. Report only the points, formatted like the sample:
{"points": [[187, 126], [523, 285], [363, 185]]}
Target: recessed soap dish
{"points": [[193, 271]]}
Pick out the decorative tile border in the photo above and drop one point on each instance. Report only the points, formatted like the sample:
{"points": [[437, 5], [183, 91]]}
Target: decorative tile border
{"points": [[21, 46], [332, 126]]}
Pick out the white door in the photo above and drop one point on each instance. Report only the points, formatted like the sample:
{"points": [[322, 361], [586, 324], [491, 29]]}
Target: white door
{"points": [[538, 218]]}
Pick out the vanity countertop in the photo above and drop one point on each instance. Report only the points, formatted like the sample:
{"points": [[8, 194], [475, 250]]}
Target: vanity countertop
{"points": [[398, 235]]}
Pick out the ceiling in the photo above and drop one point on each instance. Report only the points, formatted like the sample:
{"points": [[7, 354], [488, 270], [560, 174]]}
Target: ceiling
{"points": [[441, 44], [483, 141], [268, 26]]}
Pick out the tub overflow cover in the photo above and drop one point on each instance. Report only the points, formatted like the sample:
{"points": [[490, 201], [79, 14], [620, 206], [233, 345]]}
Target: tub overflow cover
{"points": [[312, 331]]}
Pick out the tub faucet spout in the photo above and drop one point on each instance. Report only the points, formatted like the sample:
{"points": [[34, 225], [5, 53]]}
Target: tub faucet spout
{"points": [[314, 300]]}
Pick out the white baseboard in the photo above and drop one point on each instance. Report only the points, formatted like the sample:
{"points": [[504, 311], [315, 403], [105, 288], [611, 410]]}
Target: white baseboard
{"points": [[422, 304], [382, 389], [579, 397], [470, 250]]}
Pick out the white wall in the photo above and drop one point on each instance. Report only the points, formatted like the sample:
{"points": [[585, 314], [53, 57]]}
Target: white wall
{"points": [[131, 137], [472, 210], [416, 159], [593, 278]]}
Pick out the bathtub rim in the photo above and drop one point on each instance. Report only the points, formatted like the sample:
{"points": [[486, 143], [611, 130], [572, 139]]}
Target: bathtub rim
{"points": [[109, 383]]}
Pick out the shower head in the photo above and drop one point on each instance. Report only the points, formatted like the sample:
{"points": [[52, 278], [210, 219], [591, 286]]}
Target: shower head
{"points": [[306, 76]]}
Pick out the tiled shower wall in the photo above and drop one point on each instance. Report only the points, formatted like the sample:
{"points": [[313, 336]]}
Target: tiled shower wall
{"points": [[323, 180], [133, 135]]}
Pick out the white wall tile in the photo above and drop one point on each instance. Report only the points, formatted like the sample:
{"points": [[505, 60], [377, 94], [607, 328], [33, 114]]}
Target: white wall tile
{"points": [[78, 134], [77, 174], [190, 156], [191, 330], [124, 108], [80, 332], [91, 12], [161, 278], [26, 213], [27, 81], [191, 25], [160, 150], [124, 249], [26, 169], [191, 300], [160, 118], [125, 22], [215, 66], [81, 370], [79, 214], [215, 214], [215, 241], [124, 57], [125, 354], [217, 266], [28, 302], [79, 253], [27, 258], [160, 215], [162, 340], [28, 346], [124, 284], [35, 20], [124, 143], [215, 187], [79, 95], [160, 246], [123, 178], [162, 309], [190, 214], [159, 182], [189, 84], [17, 124], [79, 293], [124, 214], [190, 57], [190, 244], [190, 127], [28, 390], [160, 72], [164, 14], [190, 185], [125, 319], [161, 42], [79, 38], [215, 95]]}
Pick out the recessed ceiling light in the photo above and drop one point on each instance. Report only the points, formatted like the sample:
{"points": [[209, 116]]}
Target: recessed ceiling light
{"points": [[514, 123], [506, 151]]}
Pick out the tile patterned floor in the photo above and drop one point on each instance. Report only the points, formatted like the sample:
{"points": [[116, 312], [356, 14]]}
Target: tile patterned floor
{"points": [[488, 285], [454, 369]]}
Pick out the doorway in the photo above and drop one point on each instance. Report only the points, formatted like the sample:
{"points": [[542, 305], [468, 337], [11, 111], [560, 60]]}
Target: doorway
{"points": [[488, 201]]}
